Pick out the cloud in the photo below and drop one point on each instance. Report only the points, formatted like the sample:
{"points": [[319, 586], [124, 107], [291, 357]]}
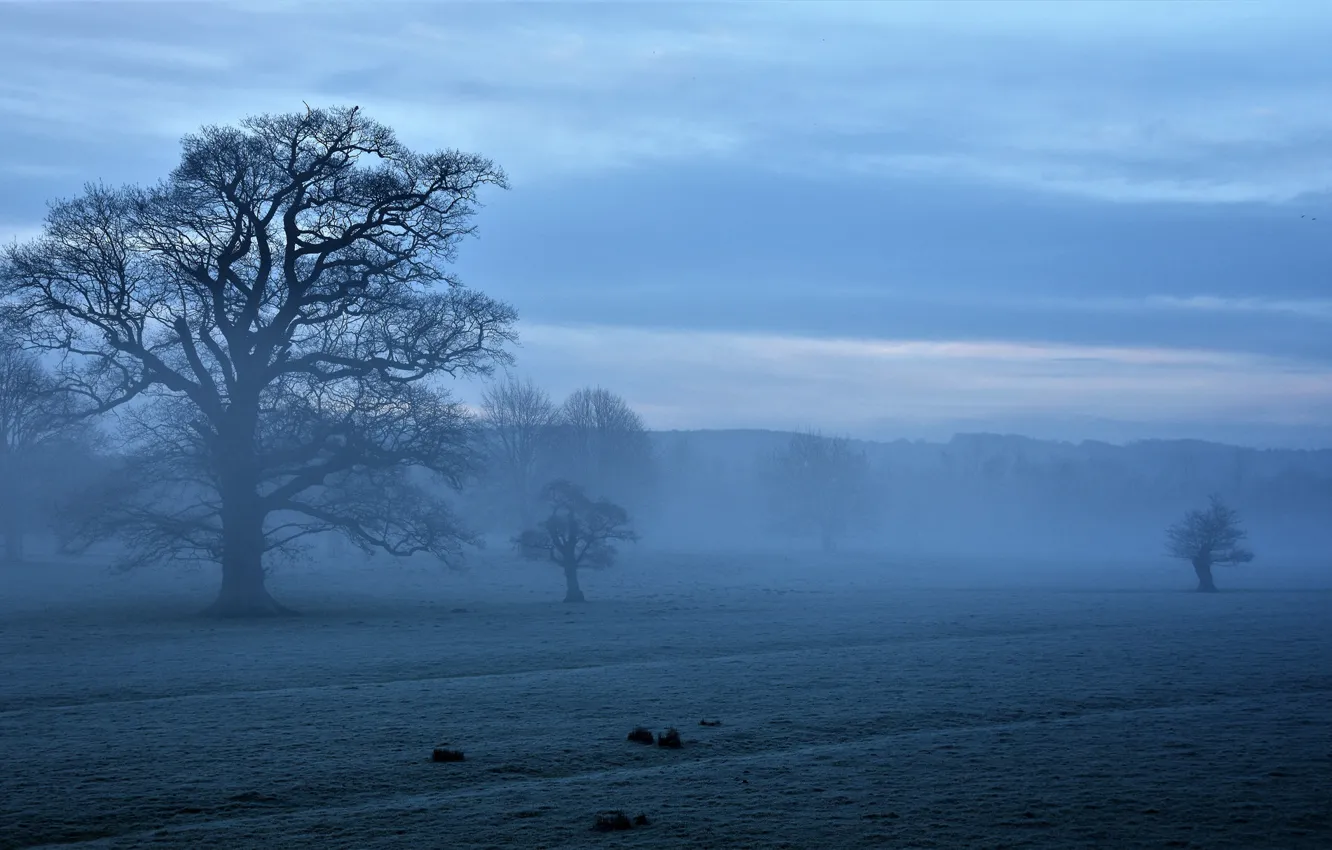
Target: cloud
{"points": [[689, 379], [911, 171], [1314, 309], [1166, 177], [1309, 308], [1197, 103]]}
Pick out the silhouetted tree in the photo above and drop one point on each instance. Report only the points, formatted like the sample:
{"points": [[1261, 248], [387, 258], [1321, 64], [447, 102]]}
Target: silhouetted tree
{"points": [[579, 532], [518, 418], [37, 436], [818, 485], [1207, 538], [275, 316], [603, 445]]}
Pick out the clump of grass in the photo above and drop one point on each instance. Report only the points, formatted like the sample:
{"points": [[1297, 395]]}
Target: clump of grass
{"points": [[612, 822], [670, 740], [641, 735], [640, 820], [445, 754]]}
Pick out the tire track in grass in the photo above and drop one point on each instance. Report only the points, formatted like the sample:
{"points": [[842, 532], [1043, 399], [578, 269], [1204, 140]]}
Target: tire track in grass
{"points": [[39, 703]]}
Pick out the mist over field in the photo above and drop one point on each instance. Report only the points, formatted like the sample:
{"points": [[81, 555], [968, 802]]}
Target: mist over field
{"points": [[694, 425]]}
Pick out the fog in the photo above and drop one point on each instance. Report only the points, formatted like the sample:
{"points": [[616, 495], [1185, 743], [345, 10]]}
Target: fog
{"points": [[721, 425], [1002, 616], [996, 510]]}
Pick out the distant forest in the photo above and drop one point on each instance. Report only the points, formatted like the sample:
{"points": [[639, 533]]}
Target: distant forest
{"points": [[983, 494]]}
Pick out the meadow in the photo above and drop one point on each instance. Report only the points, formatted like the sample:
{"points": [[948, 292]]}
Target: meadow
{"points": [[864, 701]]}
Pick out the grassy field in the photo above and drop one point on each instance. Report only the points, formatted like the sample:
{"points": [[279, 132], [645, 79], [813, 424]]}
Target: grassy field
{"points": [[863, 704]]}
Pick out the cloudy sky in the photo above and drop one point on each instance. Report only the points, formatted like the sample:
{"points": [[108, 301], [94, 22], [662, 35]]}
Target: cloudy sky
{"points": [[1073, 220]]}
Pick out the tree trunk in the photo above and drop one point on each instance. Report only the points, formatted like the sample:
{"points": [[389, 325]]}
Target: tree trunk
{"points": [[243, 592], [572, 592], [1204, 571]]}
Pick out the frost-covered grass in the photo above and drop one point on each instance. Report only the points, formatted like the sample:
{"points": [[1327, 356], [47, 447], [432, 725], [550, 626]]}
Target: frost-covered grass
{"points": [[908, 704]]}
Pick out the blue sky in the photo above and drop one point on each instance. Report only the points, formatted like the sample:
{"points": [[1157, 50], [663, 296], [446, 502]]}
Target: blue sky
{"points": [[1070, 220]]}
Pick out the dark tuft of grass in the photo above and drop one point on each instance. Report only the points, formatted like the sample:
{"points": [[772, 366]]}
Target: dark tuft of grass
{"points": [[612, 822], [442, 754], [641, 735]]}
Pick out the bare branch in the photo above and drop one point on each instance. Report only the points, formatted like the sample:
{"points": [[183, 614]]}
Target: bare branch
{"points": [[1212, 536], [276, 314]]}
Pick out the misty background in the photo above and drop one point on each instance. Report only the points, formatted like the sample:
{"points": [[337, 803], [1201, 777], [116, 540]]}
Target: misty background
{"points": [[1100, 226]]}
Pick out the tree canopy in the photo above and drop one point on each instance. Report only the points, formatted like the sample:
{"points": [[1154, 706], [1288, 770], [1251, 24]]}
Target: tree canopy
{"points": [[578, 532], [518, 420], [602, 444], [1209, 537], [273, 320]]}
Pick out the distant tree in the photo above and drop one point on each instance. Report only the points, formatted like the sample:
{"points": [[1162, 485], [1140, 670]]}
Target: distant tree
{"points": [[603, 444], [276, 314], [819, 485], [37, 436], [1207, 538], [518, 419], [579, 532]]}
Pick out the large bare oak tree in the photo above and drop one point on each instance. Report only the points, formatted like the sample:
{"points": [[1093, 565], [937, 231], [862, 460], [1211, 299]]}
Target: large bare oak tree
{"points": [[272, 320]]}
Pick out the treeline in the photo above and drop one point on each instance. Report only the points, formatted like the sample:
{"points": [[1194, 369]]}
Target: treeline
{"points": [[984, 494], [975, 494], [807, 485], [526, 440], [257, 351]]}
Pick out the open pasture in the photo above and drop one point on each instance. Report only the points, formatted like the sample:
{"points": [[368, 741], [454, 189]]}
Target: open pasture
{"points": [[863, 704]]}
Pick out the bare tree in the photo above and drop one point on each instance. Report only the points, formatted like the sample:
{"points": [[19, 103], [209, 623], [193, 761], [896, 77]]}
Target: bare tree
{"points": [[579, 532], [275, 314], [518, 418], [36, 429], [819, 485], [1208, 538], [603, 444]]}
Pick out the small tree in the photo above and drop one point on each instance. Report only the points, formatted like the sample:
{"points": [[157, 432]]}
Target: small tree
{"points": [[579, 532], [818, 485], [1207, 538]]}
